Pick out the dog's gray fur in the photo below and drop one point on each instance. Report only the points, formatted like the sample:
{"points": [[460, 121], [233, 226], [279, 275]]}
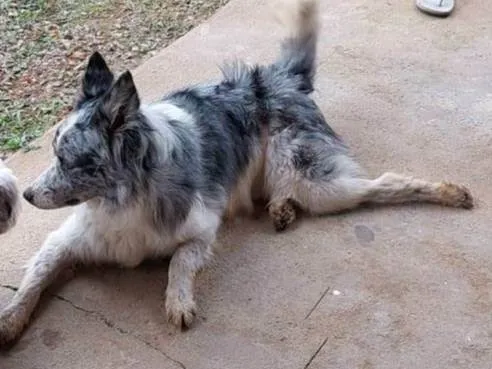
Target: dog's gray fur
{"points": [[158, 179]]}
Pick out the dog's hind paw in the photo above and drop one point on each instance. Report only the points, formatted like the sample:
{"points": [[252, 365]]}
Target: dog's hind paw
{"points": [[456, 195], [180, 312], [11, 326], [283, 214]]}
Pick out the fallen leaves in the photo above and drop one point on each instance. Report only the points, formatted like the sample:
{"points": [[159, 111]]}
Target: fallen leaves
{"points": [[45, 45]]}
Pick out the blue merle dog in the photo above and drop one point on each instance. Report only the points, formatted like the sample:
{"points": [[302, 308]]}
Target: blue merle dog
{"points": [[158, 179]]}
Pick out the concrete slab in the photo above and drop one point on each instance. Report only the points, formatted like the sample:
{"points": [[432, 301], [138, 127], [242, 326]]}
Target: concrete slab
{"points": [[383, 288], [52, 342]]}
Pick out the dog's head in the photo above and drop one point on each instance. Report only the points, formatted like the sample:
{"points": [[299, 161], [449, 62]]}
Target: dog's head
{"points": [[9, 199], [87, 145]]}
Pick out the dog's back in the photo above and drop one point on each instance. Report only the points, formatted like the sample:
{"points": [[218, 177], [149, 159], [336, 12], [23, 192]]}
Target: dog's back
{"points": [[234, 118]]}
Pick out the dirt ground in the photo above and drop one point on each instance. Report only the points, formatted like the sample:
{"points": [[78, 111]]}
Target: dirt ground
{"points": [[44, 45]]}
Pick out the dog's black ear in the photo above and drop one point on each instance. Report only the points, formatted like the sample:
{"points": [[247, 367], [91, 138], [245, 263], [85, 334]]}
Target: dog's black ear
{"points": [[121, 102], [97, 78]]}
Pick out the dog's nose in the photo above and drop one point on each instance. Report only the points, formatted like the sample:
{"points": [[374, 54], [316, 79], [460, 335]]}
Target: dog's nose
{"points": [[28, 195]]}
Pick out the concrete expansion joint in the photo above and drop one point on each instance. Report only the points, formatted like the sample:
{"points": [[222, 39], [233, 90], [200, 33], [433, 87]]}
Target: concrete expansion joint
{"points": [[108, 323]]}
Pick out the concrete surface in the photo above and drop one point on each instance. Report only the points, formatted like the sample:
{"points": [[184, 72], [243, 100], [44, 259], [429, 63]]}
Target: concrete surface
{"points": [[410, 93]]}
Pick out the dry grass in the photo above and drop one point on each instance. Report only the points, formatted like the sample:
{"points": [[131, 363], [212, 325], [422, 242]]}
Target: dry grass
{"points": [[45, 43]]}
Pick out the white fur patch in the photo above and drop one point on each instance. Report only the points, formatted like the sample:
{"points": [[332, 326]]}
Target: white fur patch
{"points": [[10, 188], [68, 123], [159, 114], [127, 236]]}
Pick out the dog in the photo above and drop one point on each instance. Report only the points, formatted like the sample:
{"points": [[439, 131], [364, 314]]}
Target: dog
{"points": [[158, 180], [9, 199]]}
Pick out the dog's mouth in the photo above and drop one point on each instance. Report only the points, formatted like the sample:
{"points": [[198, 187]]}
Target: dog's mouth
{"points": [[72, 202]]}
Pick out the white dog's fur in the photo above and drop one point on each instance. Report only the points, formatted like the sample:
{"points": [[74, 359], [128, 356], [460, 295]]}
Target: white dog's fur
{"points": [[9, 199]]}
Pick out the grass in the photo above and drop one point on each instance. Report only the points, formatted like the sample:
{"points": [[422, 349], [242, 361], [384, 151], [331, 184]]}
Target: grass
{"points": [[19, 125], [44, 45]]}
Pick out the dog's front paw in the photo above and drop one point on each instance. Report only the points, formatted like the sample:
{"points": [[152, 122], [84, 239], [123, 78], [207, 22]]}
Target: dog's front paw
{"points": [[181, 310], [11, 326], [456, 195]]}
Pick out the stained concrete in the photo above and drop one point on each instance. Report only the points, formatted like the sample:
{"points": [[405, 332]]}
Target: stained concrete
{"points": [[400, 287]]}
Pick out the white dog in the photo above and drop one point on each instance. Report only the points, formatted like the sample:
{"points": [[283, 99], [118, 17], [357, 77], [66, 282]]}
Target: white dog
{"points": [[9, 199]]}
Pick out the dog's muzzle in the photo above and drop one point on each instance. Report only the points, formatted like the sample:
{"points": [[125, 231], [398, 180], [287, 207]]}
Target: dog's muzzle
{"points": [[28, 195]]}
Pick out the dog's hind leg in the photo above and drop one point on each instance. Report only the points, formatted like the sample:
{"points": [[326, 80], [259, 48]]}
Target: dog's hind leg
{"points": [[56, 253], [392, 188], [321, 182], [346, 193]]}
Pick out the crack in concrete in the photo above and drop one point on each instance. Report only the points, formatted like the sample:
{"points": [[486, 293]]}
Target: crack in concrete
{"points": [[316, 353], [9, 287], [109, 323], [317, 303]]}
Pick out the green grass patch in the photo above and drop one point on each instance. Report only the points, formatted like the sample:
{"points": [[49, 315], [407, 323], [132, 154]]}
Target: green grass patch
{"points": [[44, 44], [21, 123]]}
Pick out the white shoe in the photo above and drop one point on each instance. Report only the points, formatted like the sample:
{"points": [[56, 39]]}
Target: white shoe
{"points": [[441, 8]]}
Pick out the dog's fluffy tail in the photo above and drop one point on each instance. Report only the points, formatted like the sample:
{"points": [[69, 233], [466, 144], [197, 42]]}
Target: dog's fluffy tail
{"points": [[298, 52]]}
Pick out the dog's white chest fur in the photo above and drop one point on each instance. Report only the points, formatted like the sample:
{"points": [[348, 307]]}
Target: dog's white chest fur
{"points": [[127, 238], [121, 237]]}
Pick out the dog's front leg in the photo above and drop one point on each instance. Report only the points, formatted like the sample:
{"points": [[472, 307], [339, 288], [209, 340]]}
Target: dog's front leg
{"points": [[188, 259], [58, 251]]}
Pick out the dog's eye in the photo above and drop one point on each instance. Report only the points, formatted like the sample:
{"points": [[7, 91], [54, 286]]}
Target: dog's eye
{"points": [[84, 161], [60, 159]]}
